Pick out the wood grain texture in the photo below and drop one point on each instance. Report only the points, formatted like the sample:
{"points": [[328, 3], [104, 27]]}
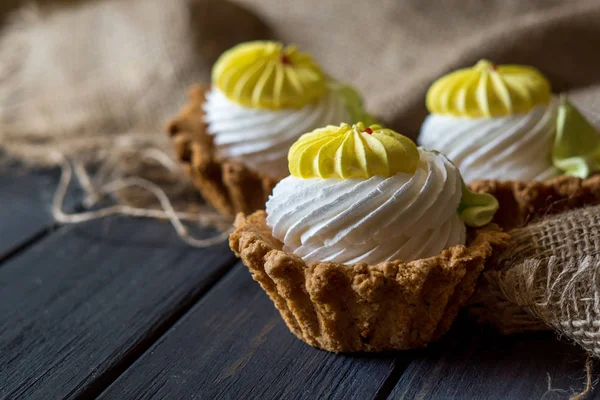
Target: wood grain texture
{"points": [[84, 306], [80, 305], [475, 363], [234, 345], [25, 201]]}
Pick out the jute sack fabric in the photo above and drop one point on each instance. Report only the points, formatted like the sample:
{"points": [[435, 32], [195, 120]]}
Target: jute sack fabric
{"points": [[94, 77], [549, 275]]}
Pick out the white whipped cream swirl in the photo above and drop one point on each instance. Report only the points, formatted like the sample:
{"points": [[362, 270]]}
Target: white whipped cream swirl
{"points": [[517, 147], [261, 138], [402, 217]]}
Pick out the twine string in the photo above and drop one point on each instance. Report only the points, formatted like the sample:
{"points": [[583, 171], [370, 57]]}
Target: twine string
{"points": [[588, 381], [95, 193]]}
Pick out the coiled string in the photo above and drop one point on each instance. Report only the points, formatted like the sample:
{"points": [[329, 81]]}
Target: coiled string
{"points": [[205, 218]]}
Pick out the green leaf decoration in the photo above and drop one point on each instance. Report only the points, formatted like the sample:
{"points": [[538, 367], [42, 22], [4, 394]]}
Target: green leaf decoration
{"points": [[576, 148], [476, 209], [354, 104]]}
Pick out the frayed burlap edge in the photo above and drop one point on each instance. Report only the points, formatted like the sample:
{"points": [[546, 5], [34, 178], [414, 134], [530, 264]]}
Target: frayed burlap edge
{"points": [[521, 204], [228, 185], [552, 270], [360, 307]]}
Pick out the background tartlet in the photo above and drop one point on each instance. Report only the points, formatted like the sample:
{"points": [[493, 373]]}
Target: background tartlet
{"points": [[227, 184], [233, 136]]}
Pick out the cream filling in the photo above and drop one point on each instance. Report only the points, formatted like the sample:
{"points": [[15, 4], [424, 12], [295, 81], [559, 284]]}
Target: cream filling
{"points": [[403, 217], [517, 147], [261, 138]]}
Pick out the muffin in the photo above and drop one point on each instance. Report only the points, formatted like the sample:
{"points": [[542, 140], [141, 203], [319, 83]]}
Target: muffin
{"points": [[234, 135], [502, 122], [365, 247]]}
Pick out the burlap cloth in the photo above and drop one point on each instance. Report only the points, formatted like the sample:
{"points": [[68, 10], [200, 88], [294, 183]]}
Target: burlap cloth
{"points": [[549, 277]]}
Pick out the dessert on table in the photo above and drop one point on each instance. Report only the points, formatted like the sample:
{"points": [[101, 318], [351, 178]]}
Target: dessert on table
{"points": [[502, 122], [371, 243], [234, 135]]}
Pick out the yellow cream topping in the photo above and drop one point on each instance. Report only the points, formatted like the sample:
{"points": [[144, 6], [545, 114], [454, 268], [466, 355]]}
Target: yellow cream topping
{"points": [[264, 74], [488, 90], [355, 151]]}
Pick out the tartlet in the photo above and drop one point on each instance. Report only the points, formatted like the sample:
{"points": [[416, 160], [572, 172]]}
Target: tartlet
{"points": [[502, 122], [234, 134], [386, 302]]}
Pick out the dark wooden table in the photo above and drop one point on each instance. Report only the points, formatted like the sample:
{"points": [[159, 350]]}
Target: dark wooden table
{"points": [[121, 309]]}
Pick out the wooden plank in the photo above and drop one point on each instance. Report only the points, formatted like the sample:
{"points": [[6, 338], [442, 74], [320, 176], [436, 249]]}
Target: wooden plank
{"points": [[79, 306], [234, 345], [25, 200], [475, 363]]}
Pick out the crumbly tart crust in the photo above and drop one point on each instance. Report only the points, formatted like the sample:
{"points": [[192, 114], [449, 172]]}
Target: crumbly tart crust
{"points": [[360, 307], [227, 184], [524, 201], [520, 204]]}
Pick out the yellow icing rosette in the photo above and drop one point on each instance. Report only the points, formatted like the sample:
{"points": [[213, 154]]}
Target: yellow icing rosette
{"points": [[352, 151], [488, 90], [357, 151], [265, 74]]}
